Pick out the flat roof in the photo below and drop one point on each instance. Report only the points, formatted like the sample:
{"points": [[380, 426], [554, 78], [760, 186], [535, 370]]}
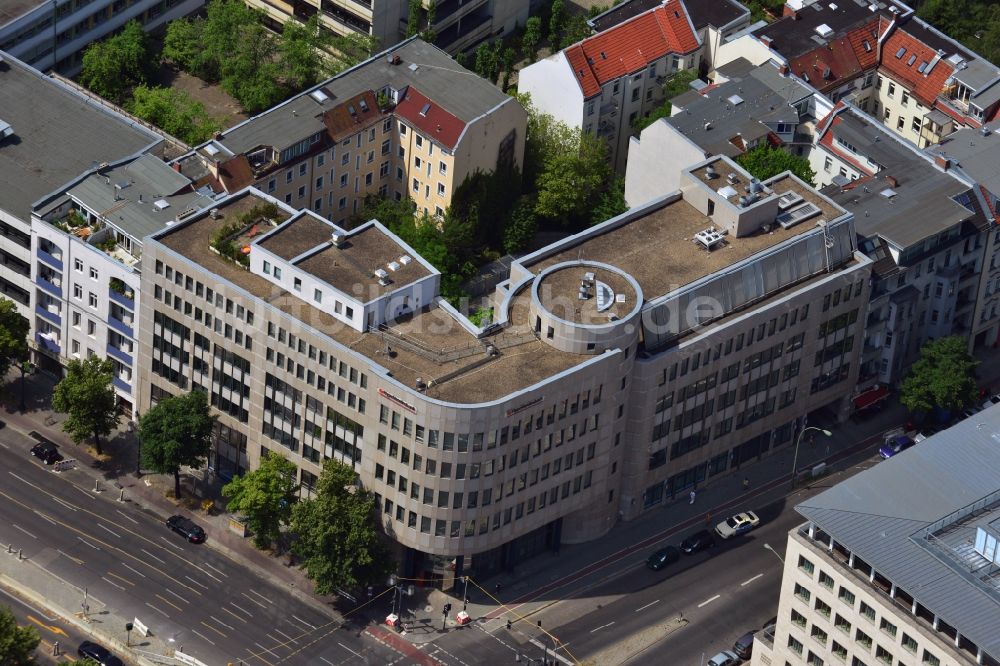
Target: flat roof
{"points": [[975, 154], [58, 135], [12, 9], [703, 13], [791, 36], [559, 293], [300, 235]]}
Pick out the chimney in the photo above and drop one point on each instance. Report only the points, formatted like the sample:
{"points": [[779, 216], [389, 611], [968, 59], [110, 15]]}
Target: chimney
{"points": [[788, 11], [765, 40], [177, 167], [942, 162], [783, 70], [213, 168], [891, 180]]}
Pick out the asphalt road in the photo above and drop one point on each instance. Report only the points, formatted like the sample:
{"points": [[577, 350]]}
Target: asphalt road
{"points": [[126, 559], [52, 629]]}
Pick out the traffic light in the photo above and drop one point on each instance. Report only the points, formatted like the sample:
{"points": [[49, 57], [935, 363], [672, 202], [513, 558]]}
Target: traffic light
{"points": [[447, 608], [509, 625]]}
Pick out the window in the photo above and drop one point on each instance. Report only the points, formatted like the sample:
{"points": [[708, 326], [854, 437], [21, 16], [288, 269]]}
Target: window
{"points": [[319, 183], [802, 593], [825, 580], [822, 608], [905, 99], [838, 650], [806, 565], [317, 295], [91, 328], [842, 624], [302, 169], [419, 141], [442, 168], [93, 273], [892, 89], [867, 611], [297, 284], [887, 627], [798, 618], [827, 163], [814, 660], [818, 634], [846, 596], [915, 124], [92, 299], [863, 639], [795, 645], [930, 659], [78, 265], [883, 655], [909, 643], [900, 122], [441, 189]]}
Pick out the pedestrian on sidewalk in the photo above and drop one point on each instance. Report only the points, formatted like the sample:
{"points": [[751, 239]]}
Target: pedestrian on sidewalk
{"points": [[708, 518], [746, 483], [692, 495]]}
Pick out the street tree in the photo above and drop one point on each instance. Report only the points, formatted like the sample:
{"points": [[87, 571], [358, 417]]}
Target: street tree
{"points": [[175, 112], [531, 38], [337, 535], [176, 432], [86, 394], [767, 161], [112, 66], [17, 644], [942, 377], [13, 335], [265, 497]]}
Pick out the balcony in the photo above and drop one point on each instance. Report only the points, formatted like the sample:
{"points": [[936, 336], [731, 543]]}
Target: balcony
{"points": [[48, 316], [119, 354], [48, 286], [122, 385], [121, 299], [466, 31], [120, 326], [449, 11], [50, 260], [48, 342]]}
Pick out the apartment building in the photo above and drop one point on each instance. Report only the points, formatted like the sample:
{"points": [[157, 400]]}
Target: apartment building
{"points": [[929, 230], [898, 564], [458, 25], [604, 83], [51, 135], [53, 34], [617, 371], [409, 122], [88, 239]]}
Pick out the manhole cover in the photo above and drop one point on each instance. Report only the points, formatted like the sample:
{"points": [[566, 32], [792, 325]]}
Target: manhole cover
{"points": [[428, 608]]}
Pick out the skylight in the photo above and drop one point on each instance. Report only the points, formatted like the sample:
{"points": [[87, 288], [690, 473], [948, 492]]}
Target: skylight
{"points": [[912, 59], [900, 52], [868, 46], [923, 67], [425, 109]]}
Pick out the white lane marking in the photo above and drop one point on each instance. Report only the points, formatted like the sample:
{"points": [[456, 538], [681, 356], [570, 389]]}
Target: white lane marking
{"points": [[603, 626], [109, 531], [260, 595], [359, 656], [153, 556], [240, 618], [215, 578], [157, 609], [240, 608], [750, 580], [65, 504], [169, 591], [85, 492], [708, 601], [133, 570], [75, 559], [19, 528], [330, 662], [222, 623], [171, 544], [651, 603], [4, 446], [203, 636], [221, 573], [126, 516], [202, 585], [88, 543], [44, 517], [113, 583], [302, 621], [284, 635], [266, 650], [252, 599]]}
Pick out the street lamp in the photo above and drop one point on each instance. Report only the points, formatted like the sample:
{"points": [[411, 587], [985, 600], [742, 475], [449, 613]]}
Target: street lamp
{"points": [[767, 546], [795, 458]]}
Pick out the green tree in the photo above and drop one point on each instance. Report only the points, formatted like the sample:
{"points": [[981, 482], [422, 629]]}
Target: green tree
{"points": [[337, 535], [176, 432], [575, 29], [87, 396], [488, 60], [428, 34], [557, 18], [413, 17], [13, 335], [174, 112], [225, 23], [531, 38], [675, 85], [251, 72], [611, 203], [265, 496], [112, 66], [766, 161], [507, 57], [349, 50], [521, 227], [182, 45], [299, 51], [574, 171], [17, 644], [943, 376]]}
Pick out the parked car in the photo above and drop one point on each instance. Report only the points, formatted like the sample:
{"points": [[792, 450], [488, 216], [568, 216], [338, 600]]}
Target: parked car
{"points": [[663, 557], [99, 653], [894, 445], [697, 542], [743, 647], [47, 452], [724, 658], [186, 528], [736, 525]]}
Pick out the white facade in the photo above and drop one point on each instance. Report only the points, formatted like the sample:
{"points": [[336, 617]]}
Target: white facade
{"points": [[15, 248], [554, 89], [645, 175]]}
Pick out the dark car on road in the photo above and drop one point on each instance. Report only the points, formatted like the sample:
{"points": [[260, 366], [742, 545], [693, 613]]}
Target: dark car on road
{"points": [[895, 445], [743, 647], [697, 542], [99, 653], [663, 557], [186, 528], [47, 452]]}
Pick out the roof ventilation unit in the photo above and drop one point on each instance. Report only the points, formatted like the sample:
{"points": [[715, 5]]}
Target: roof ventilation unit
{"points": [[732, 179], [824, 31], [789, 199], [755, 186], [393, 266], [319, 95], [5, 130], [338, 240], [711, 173], [708, 238], [797, 215], [214, 214]]}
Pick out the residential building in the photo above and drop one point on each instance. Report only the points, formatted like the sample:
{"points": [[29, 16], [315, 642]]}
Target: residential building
{"points": [[409, 122], [746, 107], [53, 34], [458, 26], [898, 564], [51, 135], [88, 240], [603, 84], [638, 359]]}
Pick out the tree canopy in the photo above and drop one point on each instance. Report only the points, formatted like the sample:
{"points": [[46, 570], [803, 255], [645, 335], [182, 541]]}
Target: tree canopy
{"points": [[943, 376], [176, 432], [975, 23], [174, 112], [766, 161], [111, 67], [678, 83], [13, 335], [265, 497], [17, 644], [337, 535], [88, 397]]}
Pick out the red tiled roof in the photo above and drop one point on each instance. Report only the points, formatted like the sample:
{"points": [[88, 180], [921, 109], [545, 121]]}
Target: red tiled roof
{"points": [[631, 46], [351, 116], [859, 36], [828, 66], [235, 173], [989, 203], [905, 69], [430, 119]]}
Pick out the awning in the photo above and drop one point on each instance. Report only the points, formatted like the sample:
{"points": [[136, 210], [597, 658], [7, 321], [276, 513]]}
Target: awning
{"points": [[872, 396]]}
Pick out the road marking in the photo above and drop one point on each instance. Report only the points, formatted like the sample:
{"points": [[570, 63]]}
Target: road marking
{"points": [[65, 504], [252, 599], [266, 650], [215, 578], [157, 609], [603, 626], [108, 580], [750, 580], [126, 516], [203, 636], [330, 662], [359, 656], [19, 528], [708, 601], [171, 544], [88, 543], [51, 627], [44, 517], [303, 622], [124, 580], [221, 622], [221, 573], [196, 582], [238, 617], [85, 492], [284, 635], [651, 603], [168, 602], [135, 571], [153, 556], [260, 595], [109, 531], [169, 591], [240, 608], [207, 625]]}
